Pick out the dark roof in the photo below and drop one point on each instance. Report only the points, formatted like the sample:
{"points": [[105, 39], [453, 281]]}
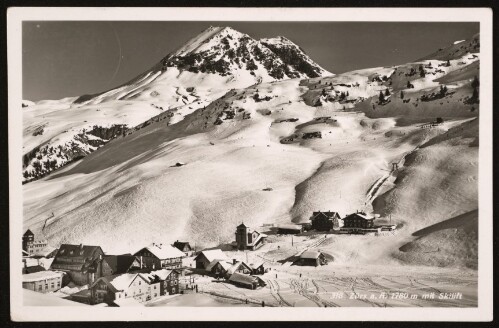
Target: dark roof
{"points": [[119, 263], [33, 269], [181, 245], [356, 216], [242, 225], [28, 233], [75, 257]]}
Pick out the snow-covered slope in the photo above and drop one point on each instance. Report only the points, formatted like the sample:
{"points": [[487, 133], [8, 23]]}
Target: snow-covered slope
{"points": [[457, 49], [323, 143], [207, 66]]}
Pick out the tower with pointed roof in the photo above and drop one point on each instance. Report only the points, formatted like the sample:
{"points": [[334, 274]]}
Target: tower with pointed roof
{"points": [[242, 236], [28, 239]]}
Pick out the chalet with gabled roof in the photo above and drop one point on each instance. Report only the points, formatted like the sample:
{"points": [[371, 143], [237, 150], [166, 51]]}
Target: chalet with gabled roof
{"points": [[205, 257], [118, 264], [219, 268], [80, 262], [239, 267], [160, 256], [358, 220], [142, 287], [184, 246], [311, 258], [325, 221]]}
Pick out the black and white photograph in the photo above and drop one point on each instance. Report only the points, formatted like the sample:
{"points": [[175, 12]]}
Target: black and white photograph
{"points": [[245, 160]]}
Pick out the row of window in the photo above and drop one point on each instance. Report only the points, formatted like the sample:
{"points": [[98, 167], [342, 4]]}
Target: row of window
{"points": [[52, 286]]}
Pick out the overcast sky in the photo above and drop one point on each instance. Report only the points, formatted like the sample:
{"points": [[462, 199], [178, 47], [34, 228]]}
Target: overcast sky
{"points": [[62, 59]]}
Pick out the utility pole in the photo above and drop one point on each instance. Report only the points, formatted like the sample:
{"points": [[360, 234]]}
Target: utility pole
{"points": [[292, 242]]}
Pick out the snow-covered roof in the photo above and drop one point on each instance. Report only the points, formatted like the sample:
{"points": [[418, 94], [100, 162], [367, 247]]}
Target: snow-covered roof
{"points": [[41, 275], [256, 265], [310, 255], [289, 226], [242, 278], [161, 274], [358, 215], [164, 251], [119, 282], [233, 268], [213, 254], [226, 265]]}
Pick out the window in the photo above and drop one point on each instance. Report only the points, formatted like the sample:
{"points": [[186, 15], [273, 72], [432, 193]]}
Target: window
{"points": [[155, 286], [140, 282], [46, 286], [155, 295], [52, 285], [40, 288], [58, 284]]}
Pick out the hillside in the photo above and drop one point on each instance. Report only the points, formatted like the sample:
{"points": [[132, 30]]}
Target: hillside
{"points": [[319, 143], [206, 67]]}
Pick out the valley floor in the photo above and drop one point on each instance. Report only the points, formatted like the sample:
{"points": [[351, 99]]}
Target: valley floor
{"points": [[335, 284]]}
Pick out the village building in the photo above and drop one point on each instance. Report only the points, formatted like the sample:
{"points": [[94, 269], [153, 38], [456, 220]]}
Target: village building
{"points": [[246, 281], [248, 239], [184, 246], [31, 268], [311, 258], [47, 252], [160, 256], [32, 246], [219, 268], [118, 264], [80, 262], [359, 222], [288, 229], [239, 267], [142, 287], [204, 258], [325, 221], [43, 281], [257, 268], [169, 281]]}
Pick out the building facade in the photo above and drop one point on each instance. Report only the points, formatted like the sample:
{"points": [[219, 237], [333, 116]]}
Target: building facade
{"points": [[160, 256], [142, 287], [248, 239], [358, 222], [80, 262], [325, 221], [32, 246], [184, 247], [43, 281]]}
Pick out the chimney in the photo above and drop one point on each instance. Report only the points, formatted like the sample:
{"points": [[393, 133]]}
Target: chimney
{"points": [[234, 261], [81, 246]]}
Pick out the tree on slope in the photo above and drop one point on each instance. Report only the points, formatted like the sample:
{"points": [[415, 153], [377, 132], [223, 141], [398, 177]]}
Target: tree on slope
{"points": [[381, 98]]}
